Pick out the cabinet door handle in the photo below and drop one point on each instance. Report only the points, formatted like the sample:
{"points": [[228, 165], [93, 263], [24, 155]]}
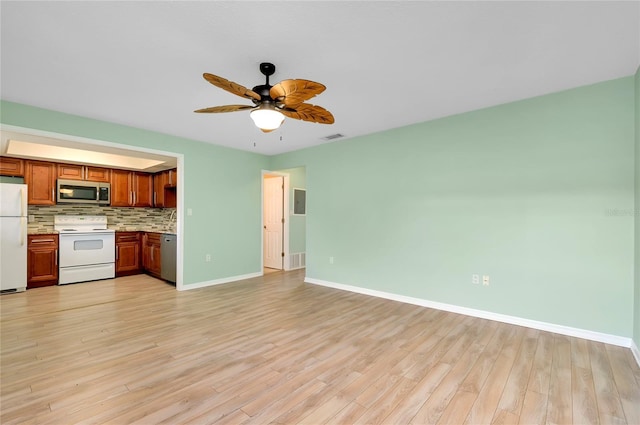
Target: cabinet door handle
{"points": [[117, 252], [56, 256], [151, 253], [41, 240]]}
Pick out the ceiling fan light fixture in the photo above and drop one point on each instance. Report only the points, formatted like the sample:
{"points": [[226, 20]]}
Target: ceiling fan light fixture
{"points": [[266, 117]]}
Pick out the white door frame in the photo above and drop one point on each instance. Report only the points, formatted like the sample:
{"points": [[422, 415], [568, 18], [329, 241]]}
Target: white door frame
{"points": [[285, 213]]}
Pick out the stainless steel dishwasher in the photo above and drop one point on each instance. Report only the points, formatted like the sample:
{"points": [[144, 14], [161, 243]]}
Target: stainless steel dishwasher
{"points": [[168, 245]]}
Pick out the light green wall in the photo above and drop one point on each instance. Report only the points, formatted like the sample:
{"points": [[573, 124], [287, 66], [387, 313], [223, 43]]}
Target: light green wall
{"points": [[221, 186], [532, 193], [529, 193], [636, 333], [297, 223]]}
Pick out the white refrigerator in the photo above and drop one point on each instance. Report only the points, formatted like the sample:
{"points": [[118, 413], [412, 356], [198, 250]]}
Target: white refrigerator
{"points": [[13, 231]]}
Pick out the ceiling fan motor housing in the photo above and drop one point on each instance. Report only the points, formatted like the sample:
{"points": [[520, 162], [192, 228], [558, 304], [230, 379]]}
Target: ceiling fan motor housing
{"points": [[263, 91]]}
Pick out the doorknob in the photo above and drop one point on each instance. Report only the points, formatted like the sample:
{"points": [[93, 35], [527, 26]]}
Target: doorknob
{"points": [[265, 227]]}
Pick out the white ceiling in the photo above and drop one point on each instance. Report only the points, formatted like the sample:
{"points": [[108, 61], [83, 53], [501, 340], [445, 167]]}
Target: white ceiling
{"points": [[385, 64]]}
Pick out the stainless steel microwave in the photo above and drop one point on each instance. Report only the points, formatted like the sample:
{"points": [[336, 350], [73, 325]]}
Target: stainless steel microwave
{"points": [[83, 192]]}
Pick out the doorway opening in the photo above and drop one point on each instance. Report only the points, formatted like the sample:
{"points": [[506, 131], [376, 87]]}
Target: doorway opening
{"points": [[164, 159], [275, 226], [294, 213]]}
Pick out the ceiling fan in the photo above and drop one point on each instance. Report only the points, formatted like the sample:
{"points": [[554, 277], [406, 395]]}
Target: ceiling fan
{"points": [[272, 103]]}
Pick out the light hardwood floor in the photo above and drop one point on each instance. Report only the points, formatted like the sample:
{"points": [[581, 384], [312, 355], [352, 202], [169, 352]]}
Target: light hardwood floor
{"points": [[276, 350]]}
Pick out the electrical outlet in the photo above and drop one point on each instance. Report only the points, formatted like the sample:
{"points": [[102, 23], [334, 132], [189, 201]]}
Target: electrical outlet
{"points": [[485, 280], [330, 260], [207, 258], [475, 279], [189, 211], [31, 218]]}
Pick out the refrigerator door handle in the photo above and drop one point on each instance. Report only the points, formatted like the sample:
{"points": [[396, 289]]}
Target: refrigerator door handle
{"points": [[22, 202], [23, 228]]}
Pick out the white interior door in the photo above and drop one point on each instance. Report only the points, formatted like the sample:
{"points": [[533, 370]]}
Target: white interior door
{"points": [[273, 221]]}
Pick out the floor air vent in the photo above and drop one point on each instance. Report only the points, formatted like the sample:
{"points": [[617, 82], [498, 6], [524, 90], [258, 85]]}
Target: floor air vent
{"points": [[297, 261]]}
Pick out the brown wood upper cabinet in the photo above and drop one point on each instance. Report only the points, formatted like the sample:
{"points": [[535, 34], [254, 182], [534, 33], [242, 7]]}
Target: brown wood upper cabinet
{"points": [[159, 182], [84, 172], [11, 166], [131, 189], [164, 189], [172, 177], [40, 178]]}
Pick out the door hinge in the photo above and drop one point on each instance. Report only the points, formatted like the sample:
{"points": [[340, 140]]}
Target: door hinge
{"points": [[283, 254], [282, 220]]}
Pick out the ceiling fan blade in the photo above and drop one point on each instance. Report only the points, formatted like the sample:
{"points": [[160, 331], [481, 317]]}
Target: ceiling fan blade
{"points": [[266, 131], [231, 87], [308, 112], [225, 108], [294, 92]]}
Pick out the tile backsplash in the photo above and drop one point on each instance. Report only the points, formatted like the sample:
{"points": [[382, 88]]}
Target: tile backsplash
{"points": [[146, 219]]}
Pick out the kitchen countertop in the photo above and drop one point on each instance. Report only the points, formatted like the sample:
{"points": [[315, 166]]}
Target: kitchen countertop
{"points": [[42, 232], [147, 230], [47, 231]]}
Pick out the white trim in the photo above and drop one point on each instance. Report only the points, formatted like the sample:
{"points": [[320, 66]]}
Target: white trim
{"points": [[81, 139], [513, 320], [220, 281], [635, 352], [180, 190]]}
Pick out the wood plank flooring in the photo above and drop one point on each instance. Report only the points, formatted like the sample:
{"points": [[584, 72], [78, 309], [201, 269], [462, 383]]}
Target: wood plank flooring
{"points": [[274, 350]]}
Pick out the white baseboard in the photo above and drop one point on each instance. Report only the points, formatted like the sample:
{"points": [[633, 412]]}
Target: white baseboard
{"points": [[636, 352], [219, 281], [513, 320]]}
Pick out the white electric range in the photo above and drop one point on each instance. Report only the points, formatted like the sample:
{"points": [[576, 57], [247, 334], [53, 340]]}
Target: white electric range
{"points": [[87, 248]]}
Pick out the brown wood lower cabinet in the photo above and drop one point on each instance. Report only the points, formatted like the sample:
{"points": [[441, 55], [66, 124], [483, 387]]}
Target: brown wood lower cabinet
{"points": [[128, 253], [151, 253], [42, 260]]}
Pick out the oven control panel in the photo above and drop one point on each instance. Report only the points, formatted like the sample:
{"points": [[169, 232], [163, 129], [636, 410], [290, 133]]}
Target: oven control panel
{"points": [[79, 223]]}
